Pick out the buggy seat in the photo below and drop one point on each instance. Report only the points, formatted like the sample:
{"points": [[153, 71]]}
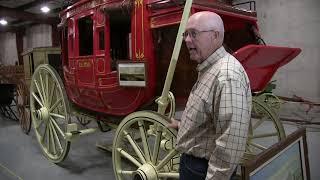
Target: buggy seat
{"points": [[261, 62]]}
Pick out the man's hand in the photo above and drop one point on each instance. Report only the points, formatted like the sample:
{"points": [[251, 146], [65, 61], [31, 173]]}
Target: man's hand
{"points": [[174, 124]]}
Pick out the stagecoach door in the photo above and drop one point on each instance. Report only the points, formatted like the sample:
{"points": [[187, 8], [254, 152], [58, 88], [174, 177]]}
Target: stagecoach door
{"points": [[84, 54], [84, 64]]}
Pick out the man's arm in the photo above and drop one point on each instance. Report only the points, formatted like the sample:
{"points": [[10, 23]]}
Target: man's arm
{"points": [[231, 118]]}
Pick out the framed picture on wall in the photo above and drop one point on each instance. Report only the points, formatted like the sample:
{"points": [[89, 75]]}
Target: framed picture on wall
{"points": [[286, 160], [132, 73]]}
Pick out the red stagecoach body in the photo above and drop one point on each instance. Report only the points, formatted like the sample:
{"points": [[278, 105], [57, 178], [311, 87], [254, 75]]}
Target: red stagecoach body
{"points": [[97, 34]]}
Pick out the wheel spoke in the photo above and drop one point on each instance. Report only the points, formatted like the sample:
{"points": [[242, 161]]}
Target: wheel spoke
{"points": [[257, 124], [250, 131], [43, 90], [38, 125], [265, 135], [44, 134], [156, 145], [52, 139], [20, 109], [258, 146], [47, 89], [55, 104], [57, 127], [37, 99], [144, 141], [249, 153], [51, 94], [248, 149], [165, 160], [19, 89], [57, 115], [38, 89], [48, 138], [173, 175], [135, 147], [129, 157], [56, 137]]}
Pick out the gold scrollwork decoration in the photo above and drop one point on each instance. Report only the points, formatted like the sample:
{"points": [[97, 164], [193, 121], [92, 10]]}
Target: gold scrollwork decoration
{"points": [[139, 54], [138, 3]]}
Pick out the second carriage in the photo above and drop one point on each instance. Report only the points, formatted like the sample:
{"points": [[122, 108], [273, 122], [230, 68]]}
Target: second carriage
{"points": [[115, 58]]}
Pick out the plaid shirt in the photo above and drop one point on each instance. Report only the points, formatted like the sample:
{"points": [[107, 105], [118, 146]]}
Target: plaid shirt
{"points": [[214, 124]]}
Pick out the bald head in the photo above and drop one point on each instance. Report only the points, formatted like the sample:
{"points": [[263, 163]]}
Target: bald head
{"points": [[204, 35], [206, 20]]}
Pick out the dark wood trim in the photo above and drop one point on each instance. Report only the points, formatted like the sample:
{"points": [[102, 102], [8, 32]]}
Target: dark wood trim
{"points": [[19, 43]]}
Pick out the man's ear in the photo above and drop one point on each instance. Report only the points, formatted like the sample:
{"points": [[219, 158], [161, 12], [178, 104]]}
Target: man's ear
{"points": [[216, 34]]}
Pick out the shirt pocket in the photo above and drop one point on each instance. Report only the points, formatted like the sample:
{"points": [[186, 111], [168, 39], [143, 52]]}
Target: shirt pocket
{"points": [[196, 112]]}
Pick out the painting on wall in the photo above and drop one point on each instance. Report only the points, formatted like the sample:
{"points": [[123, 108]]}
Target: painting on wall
{"points": [[286, 160]]}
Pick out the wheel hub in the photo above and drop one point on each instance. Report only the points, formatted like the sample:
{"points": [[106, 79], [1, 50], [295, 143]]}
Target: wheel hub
{"points": [[42, 114], [146, 172]]}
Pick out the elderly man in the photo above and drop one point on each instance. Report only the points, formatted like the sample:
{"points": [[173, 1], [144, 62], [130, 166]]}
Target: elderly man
{"points": [[214, 125]]}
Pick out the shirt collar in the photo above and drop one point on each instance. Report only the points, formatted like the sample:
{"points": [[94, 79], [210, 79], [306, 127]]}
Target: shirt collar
{"points": [[212, 59]]}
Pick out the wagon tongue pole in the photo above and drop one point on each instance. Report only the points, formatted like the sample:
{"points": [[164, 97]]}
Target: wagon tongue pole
{"points": [[163, 100]]}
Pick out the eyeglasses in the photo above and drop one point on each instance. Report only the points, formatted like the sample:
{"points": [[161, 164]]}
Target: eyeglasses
{"points": [[193, 34]]}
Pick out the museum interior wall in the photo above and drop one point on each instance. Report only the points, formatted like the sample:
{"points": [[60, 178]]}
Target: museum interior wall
{"points": [[34, 36]]}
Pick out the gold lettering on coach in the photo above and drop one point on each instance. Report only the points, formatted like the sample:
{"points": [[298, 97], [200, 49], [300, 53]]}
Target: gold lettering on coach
{"points": [[84, 64]]}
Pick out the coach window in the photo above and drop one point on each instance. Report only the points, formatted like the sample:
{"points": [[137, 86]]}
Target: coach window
{"points": [[85, 28], [120, 37]]}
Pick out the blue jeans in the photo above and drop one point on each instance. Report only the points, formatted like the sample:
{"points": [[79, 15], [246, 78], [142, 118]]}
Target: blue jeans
{"points": [[193, 168]]}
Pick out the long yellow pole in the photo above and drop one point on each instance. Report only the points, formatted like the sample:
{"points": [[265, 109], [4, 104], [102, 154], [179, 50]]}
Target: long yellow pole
{"points": [[163, 100]]}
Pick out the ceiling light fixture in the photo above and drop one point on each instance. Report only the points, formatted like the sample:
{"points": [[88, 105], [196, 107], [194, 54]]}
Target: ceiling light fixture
{"points": [[3, 22], [45, 9]]}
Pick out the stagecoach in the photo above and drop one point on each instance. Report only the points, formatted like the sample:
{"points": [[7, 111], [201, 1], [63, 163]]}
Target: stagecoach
{"points": [[115, 61]]}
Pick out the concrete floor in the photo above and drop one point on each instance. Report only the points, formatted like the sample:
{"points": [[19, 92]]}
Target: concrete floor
{"points": [[22, 159]]}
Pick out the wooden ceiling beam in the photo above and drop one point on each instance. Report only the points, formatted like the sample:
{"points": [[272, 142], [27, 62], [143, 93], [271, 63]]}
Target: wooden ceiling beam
{"points": [[15, 29], [16, 22], [31, 4], [10, 29]]}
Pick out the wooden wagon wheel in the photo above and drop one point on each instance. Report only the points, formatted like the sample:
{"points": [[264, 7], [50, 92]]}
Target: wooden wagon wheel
{"points": [[271, 100], [143, 140], [49, 108], [23, 107], [265, 128]]}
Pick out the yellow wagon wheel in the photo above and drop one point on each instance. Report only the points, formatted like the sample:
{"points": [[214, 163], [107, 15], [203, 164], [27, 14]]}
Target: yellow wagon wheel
{"points": [[265, 128], [271, 100], [143, 148], [49, 108], [22, 107]]}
